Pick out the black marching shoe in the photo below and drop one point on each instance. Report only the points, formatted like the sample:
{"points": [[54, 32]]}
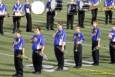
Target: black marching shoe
{"points": [[95, 64], [59, 69], [14, 75], [77, 66], [19, 75], [36, 72], [112, 62], [2, 33], [52, 29]]}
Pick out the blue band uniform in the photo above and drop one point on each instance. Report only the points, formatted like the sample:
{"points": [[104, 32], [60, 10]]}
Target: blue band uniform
{"points": [[18, 45], [3, 10], [38, 43], [78, 38], [59, 42], [96, 35]]}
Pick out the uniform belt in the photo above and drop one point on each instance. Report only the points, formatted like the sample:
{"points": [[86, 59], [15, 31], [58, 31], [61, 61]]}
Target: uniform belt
{"points": [[59, 45], [37, 50], [78, 44], [17, 49], [17, 52]]}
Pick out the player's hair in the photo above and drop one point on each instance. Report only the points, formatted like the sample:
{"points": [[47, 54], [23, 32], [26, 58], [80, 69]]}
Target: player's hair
{"points": [[18, 31], [77, 26], [60, 23], [39, 28], [113, 24], [95, 21]]}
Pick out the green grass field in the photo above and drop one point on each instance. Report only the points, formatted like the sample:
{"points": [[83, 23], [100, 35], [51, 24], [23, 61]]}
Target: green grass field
{"points": [[6, 59]]}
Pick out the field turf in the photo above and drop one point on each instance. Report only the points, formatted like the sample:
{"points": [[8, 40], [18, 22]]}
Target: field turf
{"points": [[103, 70]]}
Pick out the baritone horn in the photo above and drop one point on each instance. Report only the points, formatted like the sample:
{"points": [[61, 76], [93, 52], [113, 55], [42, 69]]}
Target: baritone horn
{"points": [[37, 7]]}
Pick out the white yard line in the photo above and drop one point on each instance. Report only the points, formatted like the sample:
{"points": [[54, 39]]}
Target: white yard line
{"points": [[52, 68], [10, 55], [6, 55]]}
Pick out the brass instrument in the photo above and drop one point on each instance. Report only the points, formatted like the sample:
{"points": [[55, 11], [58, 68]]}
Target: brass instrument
{"points": [[108, 8], [72, 8], [94, 6], [84, 5], [18, 14]]}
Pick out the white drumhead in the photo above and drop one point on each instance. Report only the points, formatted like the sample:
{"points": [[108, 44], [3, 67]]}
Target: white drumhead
{"points": [[37, 7]]}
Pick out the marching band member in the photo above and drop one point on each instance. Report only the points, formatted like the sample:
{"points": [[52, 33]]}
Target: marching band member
{"points": [[109, 5], [95, 35], [112, 44], [27, 9], [18, 45], [81, 13], [59, 46], [94, 9], [38, 46], [17, 12], [71, 10], [78, 39], [50, 16], [3, 12]]}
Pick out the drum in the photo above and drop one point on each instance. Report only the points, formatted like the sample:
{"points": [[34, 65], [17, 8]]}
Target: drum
{"points": [[37, 7], [84, 5], [53, 5]]}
